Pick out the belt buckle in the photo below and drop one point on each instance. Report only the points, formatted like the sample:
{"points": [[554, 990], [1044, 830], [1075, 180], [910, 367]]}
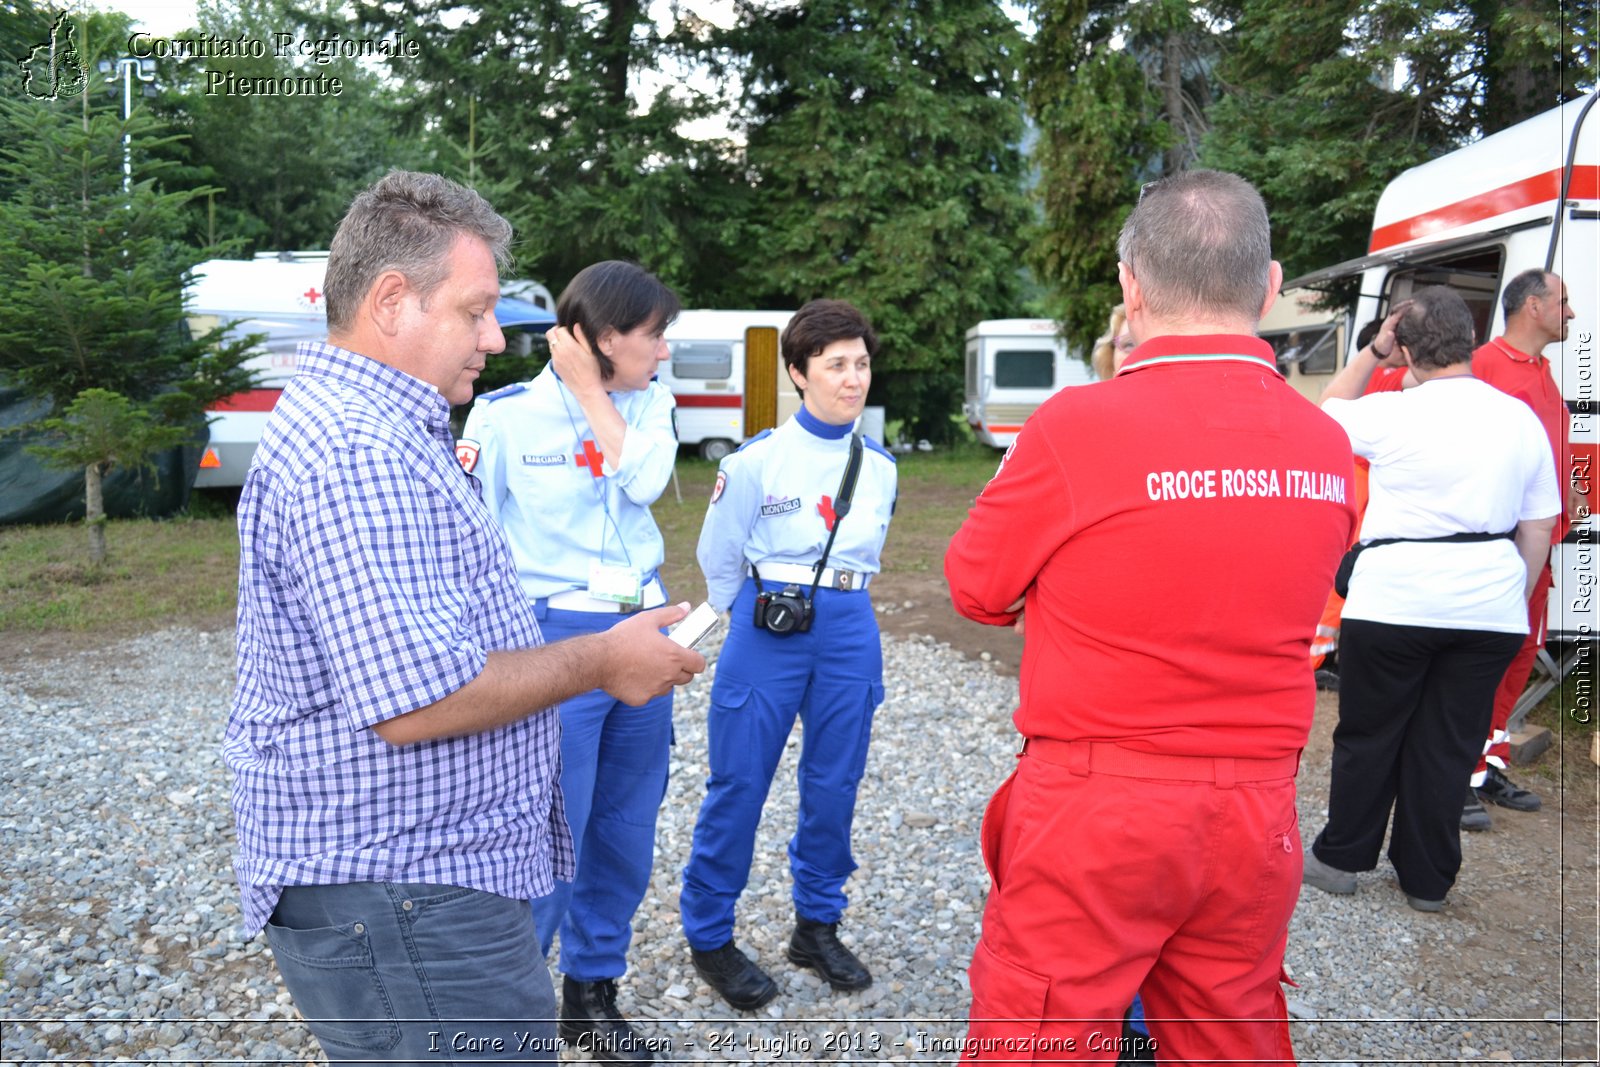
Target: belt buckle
{"points": [[843, 580]]}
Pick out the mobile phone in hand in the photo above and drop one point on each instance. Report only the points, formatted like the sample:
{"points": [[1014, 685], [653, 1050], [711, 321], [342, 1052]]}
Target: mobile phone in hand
{"points": [[695, 626]]}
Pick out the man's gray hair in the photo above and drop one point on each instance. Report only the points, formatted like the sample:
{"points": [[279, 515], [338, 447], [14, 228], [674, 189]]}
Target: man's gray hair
{"points": [[408, 222], [1531, 282], [1200, 246]]}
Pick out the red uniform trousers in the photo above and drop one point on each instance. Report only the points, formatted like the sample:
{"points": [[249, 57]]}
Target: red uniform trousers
{"points": [[1497, 748], [1176, 884]]}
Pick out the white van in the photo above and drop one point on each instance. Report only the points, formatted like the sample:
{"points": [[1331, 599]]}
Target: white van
{"points": [[1526, 197], [278, 294], [726, 376], [1013, 366]]}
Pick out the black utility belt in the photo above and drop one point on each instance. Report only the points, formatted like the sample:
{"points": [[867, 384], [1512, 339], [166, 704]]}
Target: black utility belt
{"points": [[1347, 566]]}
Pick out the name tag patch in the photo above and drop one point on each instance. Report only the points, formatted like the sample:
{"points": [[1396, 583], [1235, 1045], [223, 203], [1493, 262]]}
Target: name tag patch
{"points": [[557, 460], [780, 507]]}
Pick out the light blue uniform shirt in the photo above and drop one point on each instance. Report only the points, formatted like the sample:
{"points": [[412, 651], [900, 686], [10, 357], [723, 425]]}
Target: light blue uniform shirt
{"points": [[771, 499], [537, 458]]}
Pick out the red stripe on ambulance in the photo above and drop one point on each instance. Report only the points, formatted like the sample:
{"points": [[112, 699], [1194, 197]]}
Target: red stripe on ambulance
{"points": [[1537, 189]]}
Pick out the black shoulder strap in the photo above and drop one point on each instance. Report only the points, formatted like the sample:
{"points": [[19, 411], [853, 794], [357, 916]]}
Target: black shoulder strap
{"points": [[841, 505], [852, 471]]}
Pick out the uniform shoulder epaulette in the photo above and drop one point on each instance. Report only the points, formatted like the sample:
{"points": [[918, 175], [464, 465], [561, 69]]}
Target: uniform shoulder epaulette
{"points": [[879, 449], [504, 391], [753, 440]]}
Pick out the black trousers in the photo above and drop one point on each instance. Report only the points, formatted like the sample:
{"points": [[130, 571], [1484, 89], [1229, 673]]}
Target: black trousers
{"points": [[1414, 708]]}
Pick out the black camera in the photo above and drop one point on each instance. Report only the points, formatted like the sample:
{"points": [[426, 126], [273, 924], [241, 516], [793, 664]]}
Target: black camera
{"points": [[785, 612]]}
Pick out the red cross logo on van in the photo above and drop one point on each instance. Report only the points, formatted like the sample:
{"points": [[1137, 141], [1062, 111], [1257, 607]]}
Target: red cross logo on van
{"points": [[310, 300]]}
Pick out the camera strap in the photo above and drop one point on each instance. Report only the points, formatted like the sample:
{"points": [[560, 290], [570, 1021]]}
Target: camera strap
{"points": [[841, 505]]}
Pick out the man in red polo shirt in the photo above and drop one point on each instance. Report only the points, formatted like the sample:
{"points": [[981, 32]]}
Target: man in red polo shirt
{"points": [[1147, 841], [1537, 313]]}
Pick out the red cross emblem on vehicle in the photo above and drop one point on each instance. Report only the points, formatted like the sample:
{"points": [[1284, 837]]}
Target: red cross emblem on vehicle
{"points": [[590, 457], [312, 295]]}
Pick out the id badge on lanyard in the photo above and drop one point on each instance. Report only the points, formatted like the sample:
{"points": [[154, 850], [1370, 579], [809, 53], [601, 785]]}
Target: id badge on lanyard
{"points": [[621, 585]]}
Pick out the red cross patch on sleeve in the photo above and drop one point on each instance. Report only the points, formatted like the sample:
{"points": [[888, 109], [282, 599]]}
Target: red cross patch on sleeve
{"points": [[716, 490], [467, 453]]}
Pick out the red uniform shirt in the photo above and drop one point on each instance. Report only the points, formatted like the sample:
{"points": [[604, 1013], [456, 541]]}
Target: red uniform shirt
{"points": [[1176, 530], [1528, 378]]}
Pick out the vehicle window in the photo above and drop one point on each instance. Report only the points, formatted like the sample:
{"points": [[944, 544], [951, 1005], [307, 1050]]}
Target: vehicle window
{"points": [[701, 359], [1475, 275], [1314, 349], [1025, 369]]}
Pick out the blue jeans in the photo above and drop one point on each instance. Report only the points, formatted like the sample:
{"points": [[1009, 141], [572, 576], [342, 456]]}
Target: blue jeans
{"points": [[406, 972]]}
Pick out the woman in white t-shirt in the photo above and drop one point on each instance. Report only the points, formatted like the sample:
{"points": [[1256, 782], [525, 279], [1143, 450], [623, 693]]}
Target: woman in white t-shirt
{"points": [[1463, 500]]}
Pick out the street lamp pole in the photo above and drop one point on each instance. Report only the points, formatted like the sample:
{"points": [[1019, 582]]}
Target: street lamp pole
{"points": [[145, 69]]}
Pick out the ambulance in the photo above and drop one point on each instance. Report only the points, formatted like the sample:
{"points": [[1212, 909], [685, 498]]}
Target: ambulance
{"points": [[1526, 197], [727, 377], [278, 295], [1013, 366]]}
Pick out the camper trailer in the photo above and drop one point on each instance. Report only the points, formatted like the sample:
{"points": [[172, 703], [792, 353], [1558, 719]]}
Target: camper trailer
{"points": [[726, 375], [277, 295], [1013, 366], [1526, 197], [1307, 339]]}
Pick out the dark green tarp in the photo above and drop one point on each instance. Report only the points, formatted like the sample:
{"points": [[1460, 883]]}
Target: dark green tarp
{"points": [[31, 492]]}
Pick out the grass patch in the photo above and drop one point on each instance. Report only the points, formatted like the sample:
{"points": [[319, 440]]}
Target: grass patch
{"points": [[159, 572], [936, 489], [184, 571]]}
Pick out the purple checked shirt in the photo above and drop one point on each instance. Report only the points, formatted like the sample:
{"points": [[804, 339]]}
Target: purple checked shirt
{"points": [[372, 582]]}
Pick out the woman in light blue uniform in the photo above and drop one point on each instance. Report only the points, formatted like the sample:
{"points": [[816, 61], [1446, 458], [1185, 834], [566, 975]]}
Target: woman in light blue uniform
{"points": [[570, 463], [771, 514]]}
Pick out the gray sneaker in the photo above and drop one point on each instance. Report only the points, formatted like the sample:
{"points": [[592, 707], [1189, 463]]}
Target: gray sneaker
{"points": [[1473, 815], [1328, 879]]}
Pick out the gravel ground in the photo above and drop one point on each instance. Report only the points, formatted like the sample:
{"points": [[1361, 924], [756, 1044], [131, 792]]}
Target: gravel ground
{"points": [[118, 907]]}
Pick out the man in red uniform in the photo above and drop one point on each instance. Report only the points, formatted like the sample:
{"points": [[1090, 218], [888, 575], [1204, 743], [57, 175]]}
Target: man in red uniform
{"points": [[1537, 313], [1147, 841]]}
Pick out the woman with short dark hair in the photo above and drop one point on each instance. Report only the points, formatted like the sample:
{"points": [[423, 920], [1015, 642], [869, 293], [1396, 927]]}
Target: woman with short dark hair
{"points": [[783, 551], [570, 463]]}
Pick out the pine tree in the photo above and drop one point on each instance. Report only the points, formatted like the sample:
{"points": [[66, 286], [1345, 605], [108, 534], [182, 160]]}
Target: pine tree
{"points": [[1121, 92], [93, 276], [884, 143], [280, 170]]}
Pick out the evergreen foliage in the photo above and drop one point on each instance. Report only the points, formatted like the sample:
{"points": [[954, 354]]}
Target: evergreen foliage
{"points": [[93, 273], [1121, 91], [583, 171], [1302, 99], [276, 172], [884, 147]]}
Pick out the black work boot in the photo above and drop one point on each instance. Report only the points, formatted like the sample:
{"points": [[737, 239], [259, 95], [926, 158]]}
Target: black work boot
{"points": [[590, 1022], [816, 945], [734, 976]]}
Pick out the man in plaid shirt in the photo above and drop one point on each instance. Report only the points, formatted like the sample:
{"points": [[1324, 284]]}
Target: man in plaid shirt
{"points": [[394, 753]]}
